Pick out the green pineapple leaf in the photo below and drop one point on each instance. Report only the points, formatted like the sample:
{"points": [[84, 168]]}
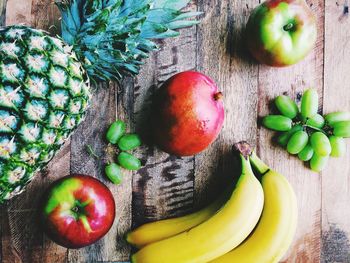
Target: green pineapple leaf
{"points": [[112, 37], [170, 4]]}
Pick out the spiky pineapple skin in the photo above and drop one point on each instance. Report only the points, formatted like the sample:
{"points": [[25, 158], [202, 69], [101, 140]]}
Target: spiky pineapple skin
{"points": [[44, 93]]}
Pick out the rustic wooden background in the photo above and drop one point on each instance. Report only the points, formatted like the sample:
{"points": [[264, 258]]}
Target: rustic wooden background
{"points": [[168, 186]]}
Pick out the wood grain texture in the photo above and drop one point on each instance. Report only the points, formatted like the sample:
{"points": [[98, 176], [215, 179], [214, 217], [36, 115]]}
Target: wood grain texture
{"points": [[221, 55], [3, 4], [307, 185], [163, 187], [101, 113], [335, 180], [167, 186]]}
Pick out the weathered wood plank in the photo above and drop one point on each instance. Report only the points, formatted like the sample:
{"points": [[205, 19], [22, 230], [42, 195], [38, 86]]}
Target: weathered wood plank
{"points": [[163, 187], [335, 180], [3, 4], [307, 184], [167, 185], [222, 56], [102, 112], [18, 12], [23, 239]]}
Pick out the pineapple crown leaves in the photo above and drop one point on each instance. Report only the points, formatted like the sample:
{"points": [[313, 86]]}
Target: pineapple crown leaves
{"points": [[112, 37]]}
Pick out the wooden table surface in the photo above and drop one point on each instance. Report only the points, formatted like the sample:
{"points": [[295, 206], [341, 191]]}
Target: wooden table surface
{"points": [[167, 186]]}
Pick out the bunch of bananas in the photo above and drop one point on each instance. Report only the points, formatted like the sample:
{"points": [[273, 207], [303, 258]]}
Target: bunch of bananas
{"points": [[255, 225]]}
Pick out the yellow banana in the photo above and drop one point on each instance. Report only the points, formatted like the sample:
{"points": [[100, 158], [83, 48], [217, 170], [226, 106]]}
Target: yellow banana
{"points": [[219, 234], [276, 228], [159, 230]]}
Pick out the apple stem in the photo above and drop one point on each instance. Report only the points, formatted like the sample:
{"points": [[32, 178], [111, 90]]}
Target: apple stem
{"points": [[288, 27], [218, 96]]}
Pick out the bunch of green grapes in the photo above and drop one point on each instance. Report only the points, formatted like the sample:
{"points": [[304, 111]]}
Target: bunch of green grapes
{"points": [[125, 142], [306, 133]]}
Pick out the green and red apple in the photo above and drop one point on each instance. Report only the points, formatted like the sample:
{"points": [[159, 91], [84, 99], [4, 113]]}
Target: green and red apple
{"points": [[281, 32], [77, 211]]}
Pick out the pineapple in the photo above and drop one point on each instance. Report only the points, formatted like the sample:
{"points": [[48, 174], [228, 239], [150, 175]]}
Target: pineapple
{"points": [[45, 80]]}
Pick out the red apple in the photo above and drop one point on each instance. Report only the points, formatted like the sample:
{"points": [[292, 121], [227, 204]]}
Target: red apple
{"points": [[188, 114], [77, 211]]}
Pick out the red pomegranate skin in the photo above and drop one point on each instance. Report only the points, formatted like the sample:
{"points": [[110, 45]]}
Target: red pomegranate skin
{"points": [[188, 114]]}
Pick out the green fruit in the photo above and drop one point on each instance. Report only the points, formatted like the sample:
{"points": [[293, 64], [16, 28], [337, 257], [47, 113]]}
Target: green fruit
{"points": [[114, 173], [334, 117], [338, 146], [316, 121], [277, 122], [281, 33], [129, 161], [297, 142], [129, 142], [285, 136], [306, 154], [320, 143], [342, 129], [287, 106], [309, 103], [318, 163], [116, 131]]}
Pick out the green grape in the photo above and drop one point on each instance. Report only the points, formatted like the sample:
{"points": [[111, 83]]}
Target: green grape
{"points": [[286, 106], [128, 161], [277, 122], [318, 163], [321, 144], [338, 146], [285, 136], [309, 103], [334, 117], [114, 173], [306, 154], [316, 121], [297, 142], [129, 142], [342, 129], [115, 131]]}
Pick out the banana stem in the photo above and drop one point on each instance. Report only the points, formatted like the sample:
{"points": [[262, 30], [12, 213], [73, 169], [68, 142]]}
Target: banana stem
{"points": [[258, 165], [243, 148]]}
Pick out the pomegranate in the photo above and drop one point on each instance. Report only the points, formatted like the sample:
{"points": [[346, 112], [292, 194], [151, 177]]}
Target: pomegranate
{"points": [[188, 114]]}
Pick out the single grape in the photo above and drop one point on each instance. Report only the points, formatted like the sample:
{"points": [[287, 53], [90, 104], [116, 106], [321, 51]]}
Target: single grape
{"points": [[338, 146], [297, 142], [334, 117], [321, 144], [285, 136], [318, 163], [115, 131], [316, 121], [341, 129], [128, 161], [277, 122], [114, 173], [129, 142], [286, 106], [306, 153], [309, 103]]}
